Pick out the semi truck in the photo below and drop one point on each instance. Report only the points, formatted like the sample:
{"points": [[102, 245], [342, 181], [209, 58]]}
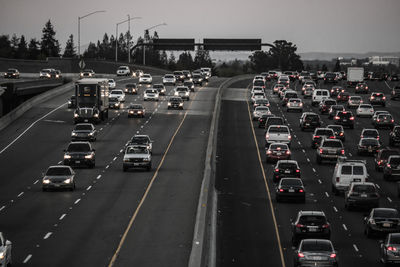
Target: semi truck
{"points": [[354, 75], [91, 100]]}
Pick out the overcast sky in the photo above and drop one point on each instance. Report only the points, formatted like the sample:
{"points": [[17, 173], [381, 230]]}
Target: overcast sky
{"points": [[313, 25]]}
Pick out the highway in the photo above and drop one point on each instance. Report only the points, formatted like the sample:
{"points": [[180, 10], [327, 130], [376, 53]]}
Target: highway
{"points": [[113, 218], [248, 235]]}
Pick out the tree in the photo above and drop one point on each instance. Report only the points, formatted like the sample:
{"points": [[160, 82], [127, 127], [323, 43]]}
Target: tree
{"points": [[171, 62], [33, 49], [164, 58], [70, 47], [91, 51], [185, 61], [5, 46], [337, 66], [14, 45], [202, 58], [324, 67], [22, 48], [261, 61], [49, 45]]}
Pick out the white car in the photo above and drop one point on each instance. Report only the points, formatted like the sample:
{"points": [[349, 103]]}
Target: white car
{"points": [[111, 83], [145, 79], [294, 104], [354, 101], [169, 79], [183, 92], [123, 71], [283, 79], [151, 94], [45, 73], [118, 94], [259, 111], [259, 77], [256, 96], [257, 89], [278, 133], [5, 251], [365, 110]]}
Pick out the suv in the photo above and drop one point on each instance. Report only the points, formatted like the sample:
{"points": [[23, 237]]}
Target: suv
{"points": [[274, 121], [286, 168], [278, 133], [137, 156], [345, 118], [334, 109], [382, 157], [326, 104], [392, 167], [377, 99], [383, 121], [288, 94], [310, 224], [347, 171], [79, 153], [338, 130], [318, 96], [368, 145], [394, 136], [361, 195], [123, 71], [330, 149], [131, 88], [382, 220], [395, 92], [309, 120], [319, 134]]}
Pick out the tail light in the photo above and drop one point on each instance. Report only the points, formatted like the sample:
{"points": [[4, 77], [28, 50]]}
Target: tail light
{"points": [[267, 136], [388, 165], [341, 134], [391, 248], [352, 118], [269, 151], [281, 190], [317, 136], [380, 162], [321, 150], [299, 225], [326, 225], [378, 120], [276, 170], [362, 136], [300, 255], [337, 117], [384, 97], [392, 120], [301, 190], [289, 137], [337, 179], [288, 152], [298, 171], [342, 151], [332, 256], [332, 137]]}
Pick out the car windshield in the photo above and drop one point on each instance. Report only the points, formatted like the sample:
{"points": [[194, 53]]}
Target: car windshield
{"points": [[355, 98], [364, 188], [146, 76], [395, 160], [140, 140], [276, 121], [111, 81], [369, 142], [157, 86], [136, 106], [316, 246], [262, 108], [278, 129], [291, 182], [330, 102], [315, 219], [181, 89], [287, 165], [78, 148], [371, 133], [365, 106], [332, 143], [386, 213], [187, 83], [116, 92], [58, 171], [123, 68], [290, 95], [261, 101], [131, 85], [81, 127], [169, 76], [395, 239], [259, 83], [345, 114], [324, 132], [174, 99], [137, 150], [278, 146], [312, 117]]}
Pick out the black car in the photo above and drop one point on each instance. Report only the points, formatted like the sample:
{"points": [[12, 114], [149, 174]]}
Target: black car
{"points": [[392, 168], [315, 252], [377, 99], [319, 134], [263, 119], [361, 88], [290, 189], [395, 92], [368, 146], [310, 224], [394, 77], [382, 157], [189, 84], [382, 220], [273, 120], [179, 76], [142, 140], [175, 102], [361, 195], [344, 118], [335, 90], [286, 169], [338, 131], [343, 97], [72, 102], [394, 136], [334, 109], [384, 121], [136, 110], [326, 104], [12, 74], [330, 77], [79, 153], [114, 103], [390, 249], [84, 132], [309, 120], [131, 88], [197, 79]]}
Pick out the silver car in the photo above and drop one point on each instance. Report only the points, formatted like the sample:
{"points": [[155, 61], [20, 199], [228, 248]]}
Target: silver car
{"points": [[59, 177], [84, 132], [136, 156], [259, 111]]}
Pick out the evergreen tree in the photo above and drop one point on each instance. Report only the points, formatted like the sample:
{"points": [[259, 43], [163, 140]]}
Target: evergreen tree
{"points": [[49, 45], [202, 58], [14, 45], [91, 51], [172, 62], [22, 51], [33, 49], [337, 66], [5, 46], [164, 58], [324, 67], [70, 47]]}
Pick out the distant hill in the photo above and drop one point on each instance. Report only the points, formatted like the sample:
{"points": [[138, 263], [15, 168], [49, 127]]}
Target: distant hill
{"points": [[330, 56]]}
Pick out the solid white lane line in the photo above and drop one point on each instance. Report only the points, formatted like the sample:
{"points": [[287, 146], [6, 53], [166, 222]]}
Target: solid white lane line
{"points": [[350, 154], [2, 208], [89, 187], [27, 258], [335, 209], [36, 182], [29, 127], [77, 201], [388, 198], [355, 247], [60, 162], [326, 193], [62, 216], [98, 176], [121, 151], [20, 194], [47, 235], [344, 226]]}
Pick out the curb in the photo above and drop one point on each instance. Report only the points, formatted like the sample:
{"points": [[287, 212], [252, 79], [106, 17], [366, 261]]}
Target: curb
{"points": [[203, 252]]}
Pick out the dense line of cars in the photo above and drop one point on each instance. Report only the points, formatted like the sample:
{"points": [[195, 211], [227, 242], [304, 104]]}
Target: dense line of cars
{"points": [[311, 230]]}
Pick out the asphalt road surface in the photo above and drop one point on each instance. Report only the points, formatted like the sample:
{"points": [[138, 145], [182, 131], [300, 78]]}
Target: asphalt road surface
{"points": [[247, 232]]}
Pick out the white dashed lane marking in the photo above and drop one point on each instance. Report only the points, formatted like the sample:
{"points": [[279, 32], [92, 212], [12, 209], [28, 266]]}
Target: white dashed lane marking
{"points": [[98, 176], [77, 201], [355, 247], [335, 209], [62, 216], [47, 235], [27, 258]]}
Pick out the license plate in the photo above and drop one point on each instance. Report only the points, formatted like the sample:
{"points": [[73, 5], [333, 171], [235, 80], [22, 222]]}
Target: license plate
{"points": [[136, 164], [279, 153], [291, 190], [307, 124], [287, 171], [317, 258], [344, 120], [370, 149], [386, 225], [86, 120], [312, 229], [77, 161], [357, 180], [363, 195], [57, 185]]}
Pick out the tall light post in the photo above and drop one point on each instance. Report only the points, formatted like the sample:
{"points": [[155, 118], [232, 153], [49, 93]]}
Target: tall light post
{"points": [[79, 28], [116, 36], [144, 47]]}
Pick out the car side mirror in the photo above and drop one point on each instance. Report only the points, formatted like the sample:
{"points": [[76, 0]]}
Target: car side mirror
{"points": [[8, 243]]}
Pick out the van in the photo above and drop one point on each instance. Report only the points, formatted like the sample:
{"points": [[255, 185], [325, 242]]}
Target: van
{"points": [[319, 95], [347, 171]]}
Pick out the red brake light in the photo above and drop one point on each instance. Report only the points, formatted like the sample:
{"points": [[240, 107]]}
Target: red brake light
{"points": [[276, 170], [297, 170], [281, 190], [384, 97], [301, 255], [287, 152], [388, 165], [299, 225], [332, 137], [301, 190], [321, 150], [342, 151], [317, 136], [352, 118], [269, 151], [325, 225], [392, 248], [333, 255], [392, 120], [341, 134]]}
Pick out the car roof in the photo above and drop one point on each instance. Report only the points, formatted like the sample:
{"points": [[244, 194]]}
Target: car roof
{"points": [[312, 212], [287, 161], [59, 166]]}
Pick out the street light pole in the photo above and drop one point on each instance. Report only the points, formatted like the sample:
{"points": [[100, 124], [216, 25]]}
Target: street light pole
{"points": [[129, 39], [144, 47], [79, 28], [116, 36]]}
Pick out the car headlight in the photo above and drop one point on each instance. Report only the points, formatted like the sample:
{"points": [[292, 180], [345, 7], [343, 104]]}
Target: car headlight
{"points": [[67, 156], [45, 181], [176, 93], [69, 102], [130, 111], [76, 115], [180, 104], [67, 181], [96, 115], [89, 156], [73, 134], [126, 160], [169, 104], [91, 134], [187, 93], [126, 89]]}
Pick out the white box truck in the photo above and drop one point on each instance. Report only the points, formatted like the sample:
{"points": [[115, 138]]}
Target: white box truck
{"points": [[354, 75]]}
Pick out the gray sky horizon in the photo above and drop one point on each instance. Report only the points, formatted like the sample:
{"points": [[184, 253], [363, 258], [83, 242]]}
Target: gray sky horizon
{"points": [[340, 26]]}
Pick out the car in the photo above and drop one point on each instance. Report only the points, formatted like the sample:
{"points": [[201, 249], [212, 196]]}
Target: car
{"points": [[123, 71], [326, 104], [394, 77], [376, 113], [169, 79], [131, 88], [111, 83], [145, 79], [343, 97], [361, 88], [377, 99], [114, 103], [179, 76], [139, 73], [290, 189], [381, 221], [261, 102], [72, 102], [136, 156], [160, 88], [257, 89], [338, 131], [347, 171], [368, 146], [45, 73], [308, 92], [197, 79], [335, 90], [309, 120], [278, 133], [370, 133], [285, 168], [259, 82], [142, 139], [207, 71], [389, 249], [384, 121], [58, 177], [151, 94], [394, 136], [277, 151], [310, 224], [315, 252], [263, 120], [395, 93], [305, 86], [392, 168], [256, 96], [183, 92], [283, 79], [80, 153], [84, 132], [189, 84], [259, 111], [287, 95], [365, 110], [5, 248], [274, 120], [354, 101], [318, 96], [175, 102], [303, 75], [344, 118], [276, 87], [87, 73], [12, 74], [136, 110], [188, 75], [294, 104], [309, 83], [258, 78], [329, 149], [117, 93], [330, 77], [55, 74], [273, 74], [334, 109], [282, 92], [382, 157], [320, 134], [266, 76]]}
